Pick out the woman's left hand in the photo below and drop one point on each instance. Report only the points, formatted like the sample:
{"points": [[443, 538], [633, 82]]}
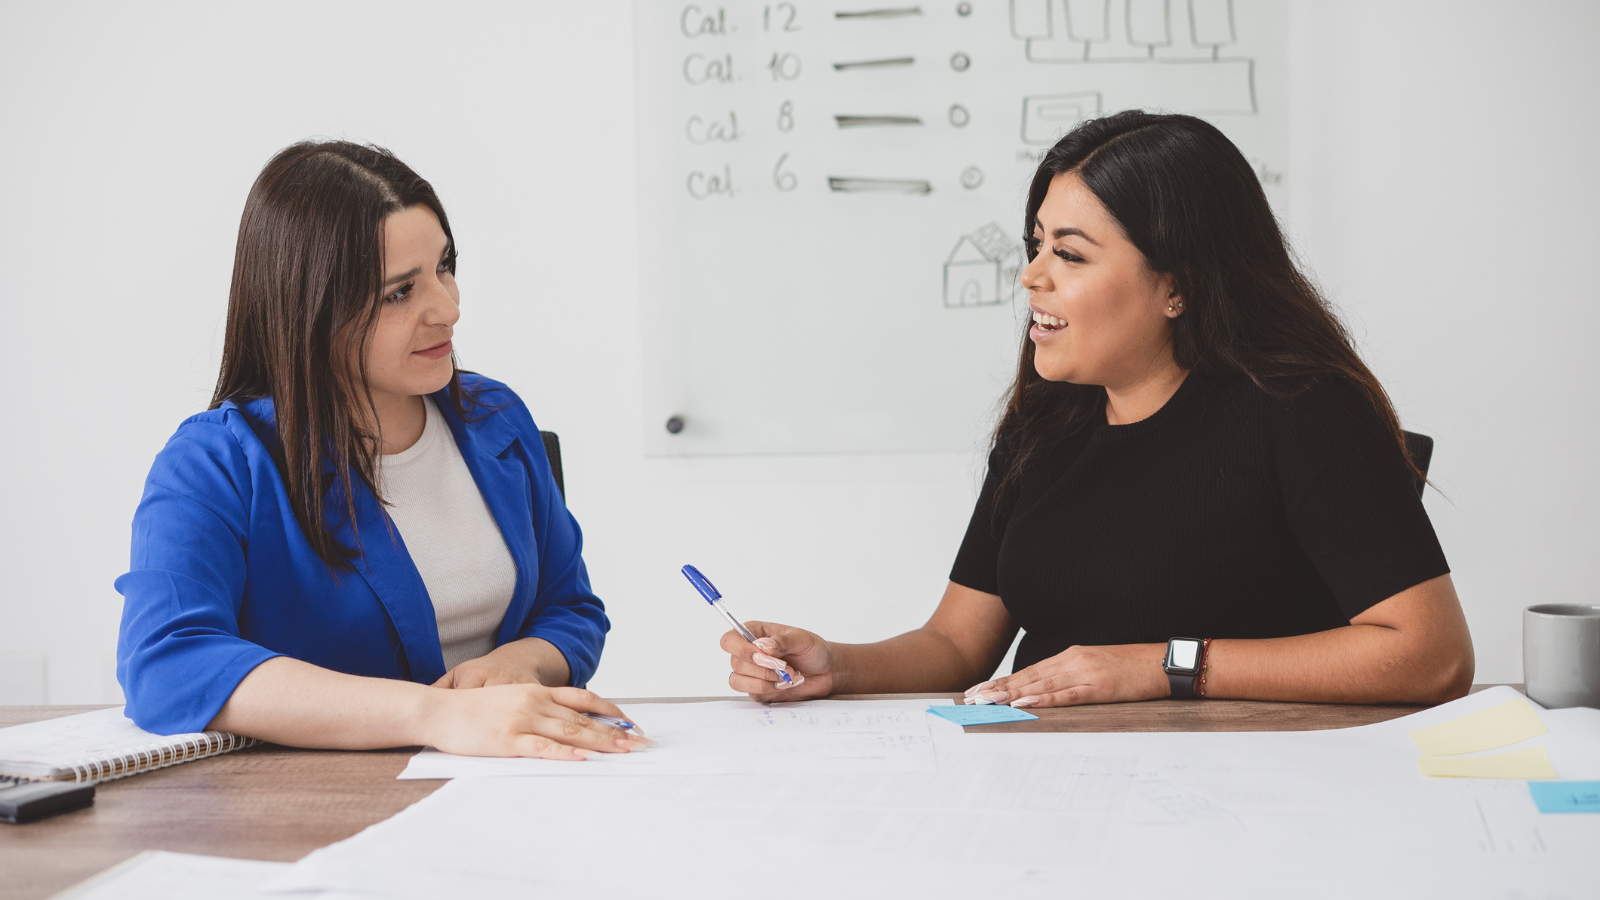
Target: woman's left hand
{"points": [[527, 661], [1079, 675]]}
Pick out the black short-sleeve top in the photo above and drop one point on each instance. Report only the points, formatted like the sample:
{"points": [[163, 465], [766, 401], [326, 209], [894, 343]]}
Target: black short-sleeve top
{"points": [[1229, 513]]}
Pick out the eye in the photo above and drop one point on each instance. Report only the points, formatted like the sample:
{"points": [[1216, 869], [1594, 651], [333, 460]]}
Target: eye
{"points": [[1068, 255], [400, 293]]}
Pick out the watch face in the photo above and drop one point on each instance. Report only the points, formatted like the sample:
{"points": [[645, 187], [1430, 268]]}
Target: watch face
{"points": [[1183, 656]]}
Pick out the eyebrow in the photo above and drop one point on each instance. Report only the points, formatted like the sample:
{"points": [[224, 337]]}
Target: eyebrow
{"points": [[414, 272], [409, 273], [1067, 232]]}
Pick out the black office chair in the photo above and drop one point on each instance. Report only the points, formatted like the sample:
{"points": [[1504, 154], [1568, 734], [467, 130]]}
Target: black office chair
{"points": [[552, 450], [1418, 446]]}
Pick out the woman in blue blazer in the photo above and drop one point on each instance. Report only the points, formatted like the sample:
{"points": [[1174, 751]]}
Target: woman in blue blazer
{"points": [[358, 545]]}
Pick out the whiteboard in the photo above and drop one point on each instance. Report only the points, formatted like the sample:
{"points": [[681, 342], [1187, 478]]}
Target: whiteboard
{"points": [[831, 197]]}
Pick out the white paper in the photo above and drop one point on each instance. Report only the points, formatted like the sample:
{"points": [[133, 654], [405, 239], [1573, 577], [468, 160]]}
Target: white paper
{"points": [[159, 875], [1330, 814], [52, 744], [737, 737]]}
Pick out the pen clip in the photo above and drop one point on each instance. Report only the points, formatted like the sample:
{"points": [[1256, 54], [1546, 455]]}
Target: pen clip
{"points": [[702, 584]]}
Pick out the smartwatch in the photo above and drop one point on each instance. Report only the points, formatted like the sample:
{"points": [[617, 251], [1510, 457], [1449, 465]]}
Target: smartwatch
{"points": [[1182, 665]]}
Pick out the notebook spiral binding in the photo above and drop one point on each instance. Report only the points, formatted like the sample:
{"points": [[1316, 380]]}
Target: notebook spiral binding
{"points": [[158, 756]]}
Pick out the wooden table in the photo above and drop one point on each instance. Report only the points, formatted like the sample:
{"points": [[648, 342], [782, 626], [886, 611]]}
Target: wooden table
{"points": [[278, 803]]}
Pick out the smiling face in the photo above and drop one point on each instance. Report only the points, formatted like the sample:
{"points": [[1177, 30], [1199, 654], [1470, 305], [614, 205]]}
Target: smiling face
{"points": [[408, 352], [1100, 314]]}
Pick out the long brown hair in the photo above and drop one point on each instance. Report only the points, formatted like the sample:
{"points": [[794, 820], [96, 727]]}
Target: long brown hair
{"points": [[1188, 199], [307, 274]]}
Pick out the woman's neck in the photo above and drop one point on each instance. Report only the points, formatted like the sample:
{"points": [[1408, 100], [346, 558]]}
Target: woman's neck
{"points": [[401, 420], [1141, 399]]}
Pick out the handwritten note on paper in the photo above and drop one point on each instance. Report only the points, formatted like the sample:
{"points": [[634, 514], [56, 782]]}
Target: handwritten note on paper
{"points": [[737, 737], [1533, 762], [1486, 729], [1566, 796], [980, 715]]}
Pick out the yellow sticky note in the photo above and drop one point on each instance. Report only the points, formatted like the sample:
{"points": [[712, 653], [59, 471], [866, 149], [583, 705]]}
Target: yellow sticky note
{"points": [[1519, 764], [1485, 729]]}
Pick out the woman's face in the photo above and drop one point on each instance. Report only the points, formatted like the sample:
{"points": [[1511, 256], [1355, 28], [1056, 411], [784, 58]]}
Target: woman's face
{"points": [[1099, 312], [408, 352]]}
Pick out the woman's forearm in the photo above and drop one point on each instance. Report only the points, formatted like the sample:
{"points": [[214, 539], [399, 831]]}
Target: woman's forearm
{"points": [[1354, 664], [961, 643], [286, 701], [1412, 648], [915, 662]]}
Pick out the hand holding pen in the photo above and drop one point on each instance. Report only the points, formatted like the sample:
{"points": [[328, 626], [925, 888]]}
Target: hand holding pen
{"points": [[756, 648]]}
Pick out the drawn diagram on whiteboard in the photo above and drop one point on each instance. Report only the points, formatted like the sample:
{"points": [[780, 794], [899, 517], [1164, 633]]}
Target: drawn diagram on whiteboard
{"points": [[1046, 117], [982, 269], [1161, 54]]}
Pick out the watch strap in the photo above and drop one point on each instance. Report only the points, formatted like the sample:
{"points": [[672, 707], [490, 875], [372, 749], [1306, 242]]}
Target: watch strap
{"points": [[1182, 686]]}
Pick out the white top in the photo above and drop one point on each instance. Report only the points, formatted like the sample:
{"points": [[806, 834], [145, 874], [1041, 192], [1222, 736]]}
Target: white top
{"points": [[452, 538]]}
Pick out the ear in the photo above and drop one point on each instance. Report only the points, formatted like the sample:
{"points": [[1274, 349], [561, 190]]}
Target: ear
{"points": [[1174, 301]]}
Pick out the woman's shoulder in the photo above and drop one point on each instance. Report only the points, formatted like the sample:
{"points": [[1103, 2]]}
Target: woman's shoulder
{"points": [[232, 429], [492, 405], [1284, 399], [215, 451]]}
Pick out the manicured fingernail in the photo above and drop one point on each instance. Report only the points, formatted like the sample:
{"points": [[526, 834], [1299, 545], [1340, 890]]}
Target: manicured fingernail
{"points": [[993, 696], [1025, 701], [767, 644], [979, 687], [631, 743], [784, 685], [582, 754], [770, 662]]}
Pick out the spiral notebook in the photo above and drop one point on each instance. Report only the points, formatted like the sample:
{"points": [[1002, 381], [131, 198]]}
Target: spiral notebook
{"points": [[100, 746]]}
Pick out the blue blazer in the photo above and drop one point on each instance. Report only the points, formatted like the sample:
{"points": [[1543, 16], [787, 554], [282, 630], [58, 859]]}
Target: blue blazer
{"points": [[222, 578]]}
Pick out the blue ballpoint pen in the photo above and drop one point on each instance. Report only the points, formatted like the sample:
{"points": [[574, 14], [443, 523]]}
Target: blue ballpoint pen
{"points": [[714, 597]]}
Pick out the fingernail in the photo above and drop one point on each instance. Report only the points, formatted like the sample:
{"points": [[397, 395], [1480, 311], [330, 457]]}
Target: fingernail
{"points": [[1025, 701], [970, 701], [582, 754], [767, 644], [785, 685], [980, 687], [634, 743], [771, 662], [993, 696], [799, 679]]}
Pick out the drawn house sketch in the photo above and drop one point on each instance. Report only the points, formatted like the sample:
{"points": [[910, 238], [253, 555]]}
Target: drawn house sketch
{"points": [[1161, 54], [982, 269]]}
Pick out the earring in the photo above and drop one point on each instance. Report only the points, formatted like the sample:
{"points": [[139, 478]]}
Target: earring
{"points": [[1169, 308]]}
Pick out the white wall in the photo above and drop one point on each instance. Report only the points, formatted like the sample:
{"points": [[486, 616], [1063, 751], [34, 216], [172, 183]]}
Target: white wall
{"points": [[1442, 189]]}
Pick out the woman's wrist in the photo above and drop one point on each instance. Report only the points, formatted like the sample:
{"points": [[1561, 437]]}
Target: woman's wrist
{"points": [[423, 707], [841, 666]]}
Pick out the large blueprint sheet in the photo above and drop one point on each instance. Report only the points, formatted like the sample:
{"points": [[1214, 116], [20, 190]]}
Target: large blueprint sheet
{"points": [[1306, 814]]}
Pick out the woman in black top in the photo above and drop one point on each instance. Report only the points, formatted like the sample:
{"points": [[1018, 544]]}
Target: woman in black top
{"points": [[1192, 448]]}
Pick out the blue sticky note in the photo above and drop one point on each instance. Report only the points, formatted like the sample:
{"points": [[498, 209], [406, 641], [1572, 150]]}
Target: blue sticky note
{"points": [[980, 715], [1566, 796]]}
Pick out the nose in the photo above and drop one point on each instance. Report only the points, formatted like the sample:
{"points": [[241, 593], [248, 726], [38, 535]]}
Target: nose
{"points": [[1034, 275], [443, 307]]}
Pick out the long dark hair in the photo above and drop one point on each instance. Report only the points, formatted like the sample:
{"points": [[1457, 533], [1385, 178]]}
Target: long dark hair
{"points": [[307, 273], [1188, 199]]}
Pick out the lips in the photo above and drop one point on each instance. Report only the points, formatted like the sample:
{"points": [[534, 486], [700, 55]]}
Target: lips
{"points": [[437, 351]]}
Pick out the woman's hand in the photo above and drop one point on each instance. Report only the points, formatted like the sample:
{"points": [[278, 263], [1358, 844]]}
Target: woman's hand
{"points": [[528, 661], [525, 720], [807, 658], [1078, 675]]}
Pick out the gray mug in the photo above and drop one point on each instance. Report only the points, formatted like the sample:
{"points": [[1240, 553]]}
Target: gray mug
{"points": [[1561, 654]]}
